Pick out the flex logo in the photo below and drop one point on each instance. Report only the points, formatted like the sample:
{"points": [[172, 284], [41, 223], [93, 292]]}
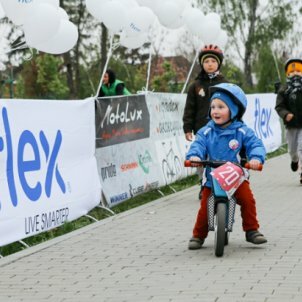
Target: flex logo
{"points": [[262, 120], [16, 151]]}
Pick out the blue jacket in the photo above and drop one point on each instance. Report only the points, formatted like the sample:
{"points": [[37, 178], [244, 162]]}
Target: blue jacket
{"points": [[215, 143]]}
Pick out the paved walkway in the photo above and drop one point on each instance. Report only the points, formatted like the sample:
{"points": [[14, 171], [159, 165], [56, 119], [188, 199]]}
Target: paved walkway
{"points": [[142, 255]]}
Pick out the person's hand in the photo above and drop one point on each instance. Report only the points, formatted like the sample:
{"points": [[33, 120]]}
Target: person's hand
{"points": [[254, 164], [189, 136], [194, 159], [289, 117]]}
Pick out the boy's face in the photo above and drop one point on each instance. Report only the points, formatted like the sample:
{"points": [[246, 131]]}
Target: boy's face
{"points": [[220, 112], [210, 65], [295, 73]]}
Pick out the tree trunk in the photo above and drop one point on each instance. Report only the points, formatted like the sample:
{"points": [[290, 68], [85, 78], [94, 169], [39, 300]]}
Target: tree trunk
{"points": [[104, 41], [69, 66], [80, 17], [69, 73], [248, 56]]}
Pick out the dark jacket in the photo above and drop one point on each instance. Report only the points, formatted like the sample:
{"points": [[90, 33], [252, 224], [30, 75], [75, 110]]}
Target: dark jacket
{"points": [[290, 101], [196, 112]]}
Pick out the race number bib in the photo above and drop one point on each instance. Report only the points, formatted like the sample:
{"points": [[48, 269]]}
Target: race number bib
{"points": [[229, 176]]}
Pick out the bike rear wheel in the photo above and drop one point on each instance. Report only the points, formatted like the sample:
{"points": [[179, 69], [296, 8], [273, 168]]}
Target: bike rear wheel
{"points": [[220, 232]]}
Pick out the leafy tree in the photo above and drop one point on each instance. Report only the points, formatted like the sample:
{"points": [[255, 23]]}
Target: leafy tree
{"points": [[41, 78], [26, 80], [86, 61], [7, 82], [83, 65], [85, 49], [50, 82], [267, 69], [232, 73], [140, 78], [167, 81], [250, 25]]}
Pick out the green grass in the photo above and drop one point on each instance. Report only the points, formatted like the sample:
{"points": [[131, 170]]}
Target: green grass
{"points": [[280, 151], [100, 214]]}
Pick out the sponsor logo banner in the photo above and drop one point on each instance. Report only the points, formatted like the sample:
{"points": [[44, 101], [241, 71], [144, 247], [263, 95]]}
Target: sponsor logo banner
{"points": [[121, 119], [48, 170], [128, 169], [262, 117], [138, 165]]}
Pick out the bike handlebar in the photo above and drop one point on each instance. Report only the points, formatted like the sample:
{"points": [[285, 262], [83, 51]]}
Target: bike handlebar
{"points": [[215, 164], [247, 166]]}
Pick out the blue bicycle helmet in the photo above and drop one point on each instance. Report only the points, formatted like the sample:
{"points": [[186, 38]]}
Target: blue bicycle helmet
{"points": [[235, 92]]}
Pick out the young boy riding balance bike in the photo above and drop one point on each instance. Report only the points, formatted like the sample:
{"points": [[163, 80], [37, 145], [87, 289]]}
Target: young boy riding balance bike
{"points": [[221, 140]]}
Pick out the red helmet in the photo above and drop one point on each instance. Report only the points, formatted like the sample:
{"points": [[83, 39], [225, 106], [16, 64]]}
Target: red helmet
{"points": [[210, 51]]}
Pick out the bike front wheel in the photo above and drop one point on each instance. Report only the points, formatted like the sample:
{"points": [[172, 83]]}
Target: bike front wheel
{"points": [[226, 239], [220, 232]]}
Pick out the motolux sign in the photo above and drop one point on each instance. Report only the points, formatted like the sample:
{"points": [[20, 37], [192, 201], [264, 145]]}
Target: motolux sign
{"points": [[121, 120]]}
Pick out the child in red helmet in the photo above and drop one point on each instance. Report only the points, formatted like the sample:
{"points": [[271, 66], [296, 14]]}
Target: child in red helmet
{"points": [[197, 103], [289, 108]]}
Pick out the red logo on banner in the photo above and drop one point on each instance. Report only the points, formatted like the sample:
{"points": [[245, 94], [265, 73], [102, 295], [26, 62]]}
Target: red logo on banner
{"points": [[229, 177]]}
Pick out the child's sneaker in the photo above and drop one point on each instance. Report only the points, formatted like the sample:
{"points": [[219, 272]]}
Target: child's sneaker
{"points": [[195, 243], [294, 166], [255, 237]]}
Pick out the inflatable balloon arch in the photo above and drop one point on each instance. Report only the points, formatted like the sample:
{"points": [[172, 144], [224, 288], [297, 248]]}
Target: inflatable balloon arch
{"points": [[45, 24], [47, 27]]}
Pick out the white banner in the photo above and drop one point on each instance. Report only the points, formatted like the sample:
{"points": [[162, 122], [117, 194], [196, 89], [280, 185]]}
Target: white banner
{"points": [[48, 172], [262, 117], [166, 130], [128, 169], [141, 144], [127, 158], [156, 147]]}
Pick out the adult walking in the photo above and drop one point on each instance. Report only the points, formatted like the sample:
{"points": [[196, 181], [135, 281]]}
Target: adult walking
{"points": [[289, 108]]}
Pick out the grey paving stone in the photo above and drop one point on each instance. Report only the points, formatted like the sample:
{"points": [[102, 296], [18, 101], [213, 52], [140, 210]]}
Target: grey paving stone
{"points": [[141, 255]]}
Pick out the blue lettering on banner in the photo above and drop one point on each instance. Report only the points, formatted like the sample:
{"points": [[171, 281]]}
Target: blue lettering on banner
{"points": [[262, 120], [25, 1], [119, 198], [28, 140]]}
